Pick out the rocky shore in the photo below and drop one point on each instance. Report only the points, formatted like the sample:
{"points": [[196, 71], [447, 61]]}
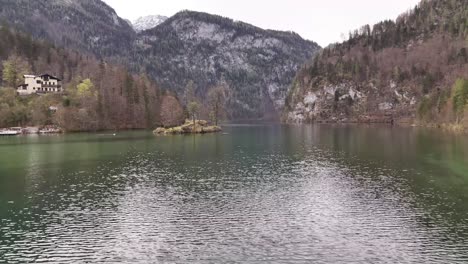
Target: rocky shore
{"points": [[199, 127], [13, 131]]}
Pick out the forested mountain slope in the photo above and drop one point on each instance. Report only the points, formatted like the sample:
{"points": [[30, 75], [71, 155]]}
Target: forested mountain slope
{"points": [[256, 65], [88, 25], [98, 95], [403, 70]]}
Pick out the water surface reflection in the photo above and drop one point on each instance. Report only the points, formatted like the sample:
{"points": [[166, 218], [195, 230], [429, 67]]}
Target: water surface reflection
{"points": [[260, 194]]}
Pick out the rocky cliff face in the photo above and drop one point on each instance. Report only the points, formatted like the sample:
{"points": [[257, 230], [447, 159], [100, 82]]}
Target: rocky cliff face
{"points": [[401, 70], [257, 65], [348, 101]]}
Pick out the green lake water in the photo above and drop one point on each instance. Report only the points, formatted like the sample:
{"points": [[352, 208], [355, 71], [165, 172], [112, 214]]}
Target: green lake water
{"points": [[256, 194]]}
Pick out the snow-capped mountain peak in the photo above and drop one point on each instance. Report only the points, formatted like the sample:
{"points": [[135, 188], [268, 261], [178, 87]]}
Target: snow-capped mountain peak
{"points": [[148, 22]]}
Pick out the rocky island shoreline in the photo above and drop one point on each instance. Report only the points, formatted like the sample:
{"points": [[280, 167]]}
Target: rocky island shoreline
{"points": [[189, 127]]}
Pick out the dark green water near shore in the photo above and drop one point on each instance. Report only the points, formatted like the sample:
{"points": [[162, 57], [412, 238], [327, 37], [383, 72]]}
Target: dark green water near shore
{"points": [[259, 194]]}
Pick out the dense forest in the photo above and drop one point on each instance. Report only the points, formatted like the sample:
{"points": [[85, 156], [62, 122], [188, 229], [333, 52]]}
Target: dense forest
{"points": [[98, 95], [413, 68]]}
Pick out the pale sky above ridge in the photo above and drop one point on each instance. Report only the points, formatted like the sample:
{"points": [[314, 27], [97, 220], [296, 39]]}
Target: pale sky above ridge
{"points": [[323, 21]]}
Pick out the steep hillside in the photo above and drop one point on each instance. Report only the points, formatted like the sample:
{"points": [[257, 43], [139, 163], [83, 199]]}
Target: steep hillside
{"points": [[257, 65], [403, 70], [88, 25], [97, 95]]}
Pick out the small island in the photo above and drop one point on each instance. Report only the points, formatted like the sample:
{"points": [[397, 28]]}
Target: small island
{"points": [[173, 114], [189, 127]]}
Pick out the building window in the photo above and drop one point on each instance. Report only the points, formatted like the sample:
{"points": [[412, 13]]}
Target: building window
{"points": [[38, 82]]}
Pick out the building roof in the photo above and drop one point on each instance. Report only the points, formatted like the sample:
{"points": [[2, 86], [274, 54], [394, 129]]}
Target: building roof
{"points": [[49, 76], [42, 76], [22, 85]]}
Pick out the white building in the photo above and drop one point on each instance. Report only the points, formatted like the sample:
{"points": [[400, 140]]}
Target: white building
{"points": [[41, 84]]}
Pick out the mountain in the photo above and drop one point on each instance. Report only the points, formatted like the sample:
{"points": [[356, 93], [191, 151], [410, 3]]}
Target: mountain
{"points": [[148, 22], [256, 65], [88, 25], [413, 69]]}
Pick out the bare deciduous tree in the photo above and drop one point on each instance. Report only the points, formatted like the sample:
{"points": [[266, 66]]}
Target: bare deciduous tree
{"points": [[172, 113], [216, 102]]}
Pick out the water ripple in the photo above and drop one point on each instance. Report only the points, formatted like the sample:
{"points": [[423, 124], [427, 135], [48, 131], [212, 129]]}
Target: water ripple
{"points": [[247, 207]]}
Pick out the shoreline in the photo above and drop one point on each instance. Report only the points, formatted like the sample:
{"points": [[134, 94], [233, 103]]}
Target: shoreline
{"points": [[448, 127], [189, 127], [202, 127], [30, 130]]}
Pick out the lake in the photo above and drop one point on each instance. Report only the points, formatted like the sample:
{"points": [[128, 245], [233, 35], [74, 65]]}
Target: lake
{"points": [[257, 194]]}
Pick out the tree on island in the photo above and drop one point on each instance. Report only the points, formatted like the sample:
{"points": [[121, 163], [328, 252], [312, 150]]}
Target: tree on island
{"points": [[191, 102], [216, 102], [189, 93], [193, 108]]}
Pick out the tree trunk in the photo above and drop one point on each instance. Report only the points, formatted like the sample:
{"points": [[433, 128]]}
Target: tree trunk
{"points": [[194, 124], [216, 115]]}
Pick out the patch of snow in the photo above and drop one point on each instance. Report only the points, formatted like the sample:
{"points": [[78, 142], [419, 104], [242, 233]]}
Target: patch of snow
{"points": [[268, 42], [211, 32], [148, 22], [243, 41]]}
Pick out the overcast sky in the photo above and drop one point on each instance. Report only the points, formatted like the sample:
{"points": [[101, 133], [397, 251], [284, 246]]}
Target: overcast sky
{"points": [[323, 21]]}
